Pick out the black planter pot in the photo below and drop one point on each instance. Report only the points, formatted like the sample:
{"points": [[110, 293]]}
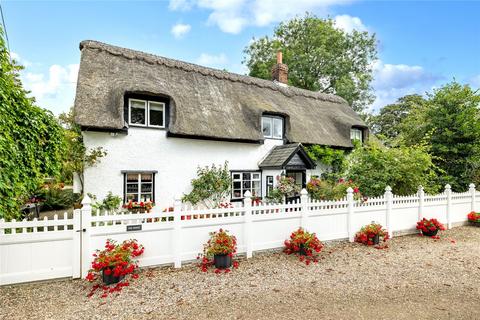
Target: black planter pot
{"points": [[430, 233], [110, 279], [474, 223], [222, 261], [375, 239]]}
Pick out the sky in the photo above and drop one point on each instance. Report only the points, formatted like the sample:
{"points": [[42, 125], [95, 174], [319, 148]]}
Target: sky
{"points": [[421, 44]]}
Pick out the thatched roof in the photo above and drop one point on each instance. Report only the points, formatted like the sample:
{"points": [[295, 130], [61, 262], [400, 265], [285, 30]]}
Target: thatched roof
{"points": [[287, 156], [204, 102]]}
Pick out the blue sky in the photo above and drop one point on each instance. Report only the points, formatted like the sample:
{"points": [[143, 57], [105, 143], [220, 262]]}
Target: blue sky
{"points": [[422, 44]]}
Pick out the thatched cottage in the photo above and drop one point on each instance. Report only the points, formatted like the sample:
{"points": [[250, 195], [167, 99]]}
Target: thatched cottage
{"points": [[159, 119]]}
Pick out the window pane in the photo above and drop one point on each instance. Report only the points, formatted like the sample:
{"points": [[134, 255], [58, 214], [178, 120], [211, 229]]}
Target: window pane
{"points": [[132, 197], [147, 177], [146, 187], [236, 176], [246, 185], [156, 114], [246, 176], [137, 112], [255, 176], [132, 188], [256, 188], [146, 197], [132, 177], [277, 128], [237, 193], [267, 127], [237, 185]]}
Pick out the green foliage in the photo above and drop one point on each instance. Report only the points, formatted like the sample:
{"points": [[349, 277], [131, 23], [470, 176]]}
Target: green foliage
{"points": [[55, 197], [285, 187], [31, 140], [76, 157], [374, 167], [328, 189], [109, 203], [335, 159], [390, 122], [211, 186], [320, 57]]}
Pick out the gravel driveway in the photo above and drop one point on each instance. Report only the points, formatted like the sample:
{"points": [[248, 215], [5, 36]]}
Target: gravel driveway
{"points": [[415, 278]]}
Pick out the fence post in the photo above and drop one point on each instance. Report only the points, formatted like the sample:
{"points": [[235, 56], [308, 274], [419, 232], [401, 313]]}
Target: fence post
{"points": [[421, 199], [448, 191], [473, 192], [77, 244], [177, 230], [86, 254], [389, 202], [247, 226], [304, 208], [351, 203]]}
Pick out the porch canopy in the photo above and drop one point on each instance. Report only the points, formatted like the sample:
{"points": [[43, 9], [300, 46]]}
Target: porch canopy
{"points": [[290, 156]]}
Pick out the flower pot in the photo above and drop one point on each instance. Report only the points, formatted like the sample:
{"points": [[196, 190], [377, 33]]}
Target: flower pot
{"points": [[375, 239], [475, 223], [222, 261], [430, 233], [110, 279]]}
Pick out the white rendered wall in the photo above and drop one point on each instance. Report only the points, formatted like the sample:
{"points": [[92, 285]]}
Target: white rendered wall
{"points": [[175, 159]]}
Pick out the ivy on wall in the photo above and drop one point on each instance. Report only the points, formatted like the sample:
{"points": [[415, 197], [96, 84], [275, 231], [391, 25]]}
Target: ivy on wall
{"points": [[31, 140]]}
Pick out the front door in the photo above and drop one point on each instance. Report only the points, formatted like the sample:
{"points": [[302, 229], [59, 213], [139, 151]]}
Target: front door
{"points": [[300, 177]]}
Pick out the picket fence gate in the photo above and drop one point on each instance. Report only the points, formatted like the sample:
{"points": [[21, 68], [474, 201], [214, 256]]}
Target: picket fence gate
{"points": [[47, 249]]}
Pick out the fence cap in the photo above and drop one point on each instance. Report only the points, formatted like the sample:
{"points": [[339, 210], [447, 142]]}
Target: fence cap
{"points": [[247, 194], [471, 185], [420, 188], [388, 188], [86, 200], [448, 187], [349, 190], [304, 192]]}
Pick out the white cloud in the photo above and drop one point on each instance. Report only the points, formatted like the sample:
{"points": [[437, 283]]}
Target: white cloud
{"points": [[234, 15], [349, 23], [215, 61], [392, 81], [179, 30], [54, 91]]}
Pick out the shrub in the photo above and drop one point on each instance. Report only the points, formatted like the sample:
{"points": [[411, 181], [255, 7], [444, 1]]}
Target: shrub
{"points": [[374, 167], [367, 234], [211, 186], [305, 244], [55, 197], [109, 203], [332, 190]]}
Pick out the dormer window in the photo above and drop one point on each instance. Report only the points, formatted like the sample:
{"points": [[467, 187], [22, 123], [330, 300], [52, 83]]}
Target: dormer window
{"points": [[146, 113], [356, 134], [272, 127]]}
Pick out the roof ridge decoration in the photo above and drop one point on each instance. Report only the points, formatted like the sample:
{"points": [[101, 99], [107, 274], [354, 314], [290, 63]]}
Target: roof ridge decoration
{"points": [[219, 74]]}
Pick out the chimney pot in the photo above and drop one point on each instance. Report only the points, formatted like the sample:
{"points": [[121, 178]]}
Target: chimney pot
{"points": [[280, 70]]}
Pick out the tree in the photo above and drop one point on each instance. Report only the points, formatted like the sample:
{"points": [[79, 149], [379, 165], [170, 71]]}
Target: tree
{"points": [[76, 157], [31, 140], [389, 123], [452, 129], [320, 57]]}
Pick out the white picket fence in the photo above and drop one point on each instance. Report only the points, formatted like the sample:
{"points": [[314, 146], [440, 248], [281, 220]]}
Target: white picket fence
{"points": [[47, 249]]}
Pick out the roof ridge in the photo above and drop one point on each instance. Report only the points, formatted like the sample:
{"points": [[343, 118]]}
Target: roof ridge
{"points": [[206, 71]]}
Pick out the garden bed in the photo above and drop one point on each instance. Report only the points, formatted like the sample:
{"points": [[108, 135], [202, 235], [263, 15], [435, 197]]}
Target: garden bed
{"points": [[350, 281]]}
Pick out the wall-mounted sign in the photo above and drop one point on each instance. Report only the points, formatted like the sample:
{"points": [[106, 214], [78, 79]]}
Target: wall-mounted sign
{"points": [[136, 227]]}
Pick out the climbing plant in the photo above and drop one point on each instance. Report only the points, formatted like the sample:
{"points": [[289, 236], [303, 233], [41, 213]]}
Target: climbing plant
{"points": [[31, 140]]}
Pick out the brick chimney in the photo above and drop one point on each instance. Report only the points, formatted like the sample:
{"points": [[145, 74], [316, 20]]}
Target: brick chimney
{"points": [[280, 70]]}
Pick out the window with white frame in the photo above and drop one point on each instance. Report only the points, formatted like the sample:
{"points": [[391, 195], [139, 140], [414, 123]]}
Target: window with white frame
{"points": [[146, 113], [356, 134], [272, 127], [246, 181], [139, 186]]}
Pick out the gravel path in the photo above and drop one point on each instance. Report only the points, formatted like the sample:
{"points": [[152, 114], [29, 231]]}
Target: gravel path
{"points": [[415, 278]]}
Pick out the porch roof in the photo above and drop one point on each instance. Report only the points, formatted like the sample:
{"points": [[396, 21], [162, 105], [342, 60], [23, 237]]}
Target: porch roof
{"points": [[288, 156]]}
